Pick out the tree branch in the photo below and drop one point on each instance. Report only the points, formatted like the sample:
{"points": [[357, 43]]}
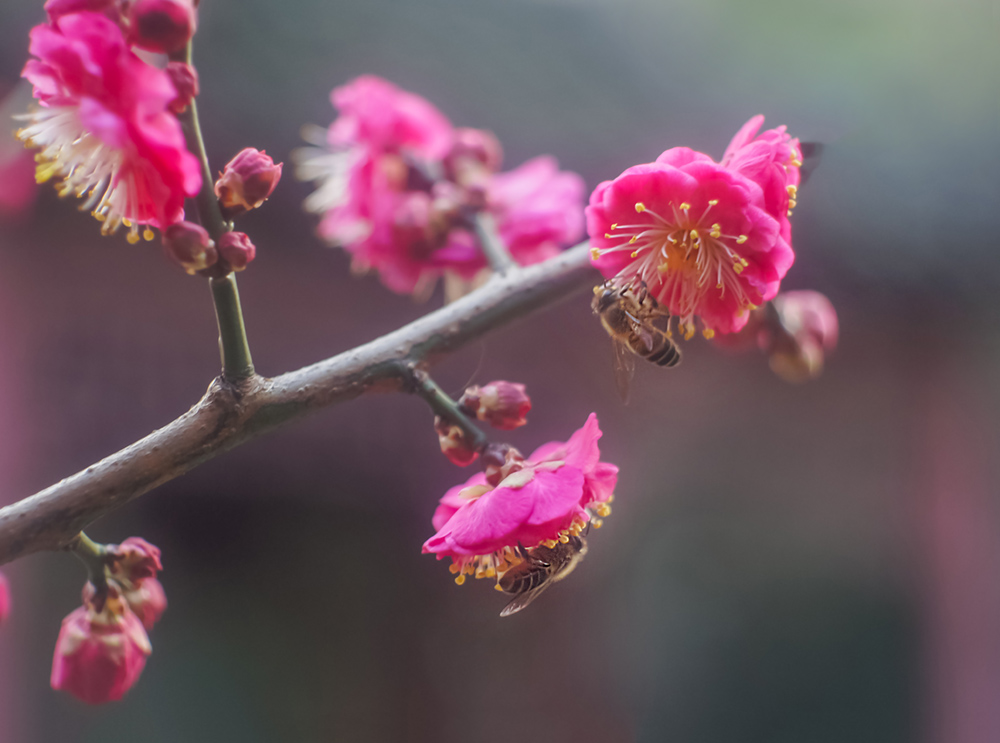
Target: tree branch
{"points": [[231, 413]]}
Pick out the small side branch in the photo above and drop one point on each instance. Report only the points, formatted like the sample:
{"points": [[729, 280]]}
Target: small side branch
{"points": [[232, 413], [492, 245], [444, 407]]}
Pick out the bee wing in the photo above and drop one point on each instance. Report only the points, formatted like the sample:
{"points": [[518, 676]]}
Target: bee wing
{"points": [[811, 154], [523, 599], [624, 366]]}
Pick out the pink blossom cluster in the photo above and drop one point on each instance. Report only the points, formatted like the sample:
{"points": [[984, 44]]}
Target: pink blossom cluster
{"points": [[103, 645], [486, 524], [399, 187], [708, 239], [105, 127]]}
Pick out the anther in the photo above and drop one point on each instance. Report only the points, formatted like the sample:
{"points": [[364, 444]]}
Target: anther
{"points": [[460, 579], [614, 226], [497, 587], [708, 333], [640, 207], [738, 267], [595, 254], [792, 190], [132, 237], [633, 240], [454, 568], [148, 234], [716, 230], [694, 234], [713, 202], [741, 239], [685, 206]]}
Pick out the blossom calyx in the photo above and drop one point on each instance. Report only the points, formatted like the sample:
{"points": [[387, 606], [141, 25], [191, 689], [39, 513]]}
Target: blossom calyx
{"points": [[235, 251], [455, 443], [503, 405], [100, 654], [4, 599], [189, 245], [247, 182], [185, 80], [161, 26]]}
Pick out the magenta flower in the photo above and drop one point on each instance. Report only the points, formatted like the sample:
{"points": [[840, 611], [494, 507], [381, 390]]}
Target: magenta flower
{"points": [[4, 599], [100, 653], [700, 235], [545, 498], [398, 188], [104, 127]]}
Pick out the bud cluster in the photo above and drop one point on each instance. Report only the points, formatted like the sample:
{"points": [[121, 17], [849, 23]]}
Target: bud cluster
{"points": [[103, 645], [158, 26]]}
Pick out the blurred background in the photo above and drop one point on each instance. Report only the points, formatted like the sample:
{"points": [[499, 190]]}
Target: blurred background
{"points": [[785, 563]]}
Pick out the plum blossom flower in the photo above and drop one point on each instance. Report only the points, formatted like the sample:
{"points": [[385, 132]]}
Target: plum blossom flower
{"points": [[707, 239], [545, 498], [4, 599], [100, 652], [104, 127], [399, 188]]}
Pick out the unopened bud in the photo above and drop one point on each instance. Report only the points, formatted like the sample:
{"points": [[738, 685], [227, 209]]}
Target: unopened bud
{"points": [[476, 145], [236, 250], [454, 443], [161, 26], [185, 80], [808, 331], [134, 567], [247, 182], [189, 245], [4, 599], [503, 405]]}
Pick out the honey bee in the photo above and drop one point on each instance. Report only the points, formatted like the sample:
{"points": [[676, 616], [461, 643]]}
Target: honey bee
{"points": [[629, 313], [540, 567]]}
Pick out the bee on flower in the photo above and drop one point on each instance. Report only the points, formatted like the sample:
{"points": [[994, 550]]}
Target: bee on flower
{"points": [[526, 515], [707, 240]]}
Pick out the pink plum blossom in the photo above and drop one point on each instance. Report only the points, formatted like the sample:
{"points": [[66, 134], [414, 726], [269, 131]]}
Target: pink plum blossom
{"points": [[808, 332], [100, 653], [399, 188], [545, 498], [705, 238], [4, 599], [104, 127]]}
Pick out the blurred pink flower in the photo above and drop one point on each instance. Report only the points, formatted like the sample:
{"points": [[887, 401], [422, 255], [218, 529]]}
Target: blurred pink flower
{"points": [[17, 179], [104, 126], [398, 188], [4, 599], [701, 235], [504, 405], [539, 500], [810, 329], [100, 654], [161, 26]]}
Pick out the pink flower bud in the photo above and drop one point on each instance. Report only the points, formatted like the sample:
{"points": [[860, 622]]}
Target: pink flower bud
{"points": [[808, 332], [100, 654], [236, 250], [189, 245], [475, 155], [135, 559], [454, 445], [134, 568], [503, 405], [247, 182], [161, 26], [4, 599], [147, 600], [185, 80]]}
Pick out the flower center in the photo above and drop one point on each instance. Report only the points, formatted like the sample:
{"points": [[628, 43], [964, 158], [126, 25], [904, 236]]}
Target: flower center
{"points": [[682, 256]]}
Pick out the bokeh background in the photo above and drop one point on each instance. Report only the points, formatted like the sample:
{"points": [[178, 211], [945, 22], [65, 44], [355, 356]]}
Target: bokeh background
{"points": [[785, 563]]}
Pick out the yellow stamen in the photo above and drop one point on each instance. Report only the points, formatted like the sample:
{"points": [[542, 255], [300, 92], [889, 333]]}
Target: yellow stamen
{"points": [[738, 267], [685, 206], [148, 234], [713, 202], [132, 237], [595, 254], [640, 207], [614, 226], [454, 568], [497, 587], [716, 230], [694, 234], [633, 240], [460, 579], [708, 333], [741, 239], [792, 190]]}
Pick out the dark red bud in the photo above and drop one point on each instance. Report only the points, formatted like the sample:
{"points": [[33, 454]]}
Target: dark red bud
{"points": [[454, 444], [185, 80], [189, 245], [236, 250], [247, 182], [503, 405], [161, 26]]}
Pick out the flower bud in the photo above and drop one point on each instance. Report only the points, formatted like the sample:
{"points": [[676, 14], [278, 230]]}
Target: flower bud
{"points": [[134, 567], [58, 8], [185, 80], [161, 26], [454, 444], [503, 405], [808, 330], [189, 245], [236, 250], [474, 157], [247, 182], [4, 599], [100, 654]]}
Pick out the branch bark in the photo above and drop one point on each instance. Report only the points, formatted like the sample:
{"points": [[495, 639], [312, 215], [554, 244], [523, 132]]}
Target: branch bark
{"points": [[232, 413]]}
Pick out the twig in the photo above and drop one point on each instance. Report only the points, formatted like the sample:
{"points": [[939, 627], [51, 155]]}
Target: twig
{"points": [[492, 245], [232, 413]]}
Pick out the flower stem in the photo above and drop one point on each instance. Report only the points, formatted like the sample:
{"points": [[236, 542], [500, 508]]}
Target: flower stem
{"points": [[236, 361], [94, 557], [444, 407], [492, 246]]}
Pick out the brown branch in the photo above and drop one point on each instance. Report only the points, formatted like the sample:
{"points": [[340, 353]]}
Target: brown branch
{"points": [[230, 414]]}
